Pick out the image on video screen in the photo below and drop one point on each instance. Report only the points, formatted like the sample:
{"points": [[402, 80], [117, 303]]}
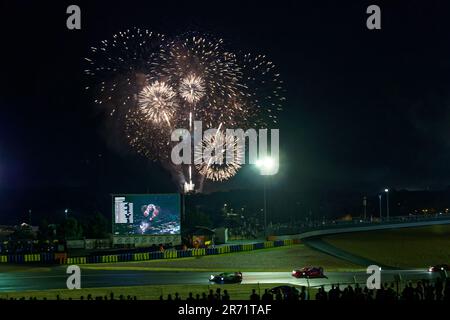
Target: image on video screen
{"points": [[151, 214]]}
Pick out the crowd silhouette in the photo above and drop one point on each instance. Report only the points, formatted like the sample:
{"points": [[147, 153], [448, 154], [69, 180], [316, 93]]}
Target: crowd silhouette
{"points": [[424, 290]]}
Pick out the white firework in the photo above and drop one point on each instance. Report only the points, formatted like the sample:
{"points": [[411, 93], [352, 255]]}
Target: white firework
{"points": [[157, 102], [192, 88], [211, 157]]}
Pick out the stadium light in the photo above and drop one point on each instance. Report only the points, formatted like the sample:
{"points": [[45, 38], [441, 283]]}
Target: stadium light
{"points": [[386, 190], [268, 167]]}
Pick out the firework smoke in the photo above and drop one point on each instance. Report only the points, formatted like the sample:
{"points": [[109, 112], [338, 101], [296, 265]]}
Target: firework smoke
{"points": [[152, 85]]}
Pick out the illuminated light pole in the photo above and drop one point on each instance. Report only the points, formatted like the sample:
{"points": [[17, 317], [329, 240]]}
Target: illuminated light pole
{"points": [[387, 203], [379, 197], [365, 207], [266, 166]]}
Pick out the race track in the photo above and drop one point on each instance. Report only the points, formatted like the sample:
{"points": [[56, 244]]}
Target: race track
{"points": [[56, 278]]}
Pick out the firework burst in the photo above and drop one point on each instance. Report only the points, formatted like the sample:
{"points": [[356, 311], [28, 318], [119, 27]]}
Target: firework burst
{"points": [[192, 88], [211, 156], [157, 102], [151, 85]]}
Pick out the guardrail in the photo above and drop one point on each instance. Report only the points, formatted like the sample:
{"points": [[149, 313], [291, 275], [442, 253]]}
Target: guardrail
{"points": [[359, 227], [397, 220], [62, 258]]}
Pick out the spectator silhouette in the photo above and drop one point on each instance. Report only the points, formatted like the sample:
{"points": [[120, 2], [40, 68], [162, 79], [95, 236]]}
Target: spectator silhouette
{"points": [[190, 298], [211, 296], [254, 296], [267, 296], [218, 294], [225, 296]]}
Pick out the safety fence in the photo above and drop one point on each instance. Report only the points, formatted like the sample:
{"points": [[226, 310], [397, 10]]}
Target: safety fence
{"points": [[62, 258]]}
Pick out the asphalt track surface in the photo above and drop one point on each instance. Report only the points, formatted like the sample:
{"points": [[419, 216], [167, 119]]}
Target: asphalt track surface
{"points": [[56, 278]]}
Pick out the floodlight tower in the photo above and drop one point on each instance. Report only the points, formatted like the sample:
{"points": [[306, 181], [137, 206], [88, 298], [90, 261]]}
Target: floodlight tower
{"points": [[268, 167]]}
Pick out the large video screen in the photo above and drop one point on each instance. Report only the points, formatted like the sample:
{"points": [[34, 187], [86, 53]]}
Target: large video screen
{"points": [[146, 214]]}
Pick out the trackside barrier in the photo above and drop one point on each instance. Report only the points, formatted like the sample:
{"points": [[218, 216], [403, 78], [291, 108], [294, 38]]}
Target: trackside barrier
{"points": [[235, 248], [198, 252], [125, 257], [224, 249], [141, 256], [278, 243], [257, 246], [268, 244], [170, 254], [32, 257], [246, 247], [76, 260], [109, 259], [47, 257], [156, 255], [62, 258]]}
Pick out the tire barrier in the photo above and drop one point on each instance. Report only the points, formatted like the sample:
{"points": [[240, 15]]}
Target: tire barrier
{"points": [[198, 252], [170, 254], [32, 257], [246, 247], [184, 253], [224, 249], [110, 259], [235, 248], [61, 258], [47, 257], [268, 244], [257, 246], [76, 260], [141, 256], [278, 243]]}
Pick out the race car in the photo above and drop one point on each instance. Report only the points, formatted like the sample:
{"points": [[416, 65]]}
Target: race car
{"points": [[439, 268], [226, 277], [308, 272]]}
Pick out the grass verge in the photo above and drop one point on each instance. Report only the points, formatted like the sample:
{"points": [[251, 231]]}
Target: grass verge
{"points": [[402, 248], [263, 260]]}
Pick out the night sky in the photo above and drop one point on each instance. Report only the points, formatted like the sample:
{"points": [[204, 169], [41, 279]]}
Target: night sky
{"points": [[365, 109]]}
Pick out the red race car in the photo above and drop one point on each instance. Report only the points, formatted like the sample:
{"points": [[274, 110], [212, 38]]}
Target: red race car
{"points": [[308, 272]]}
